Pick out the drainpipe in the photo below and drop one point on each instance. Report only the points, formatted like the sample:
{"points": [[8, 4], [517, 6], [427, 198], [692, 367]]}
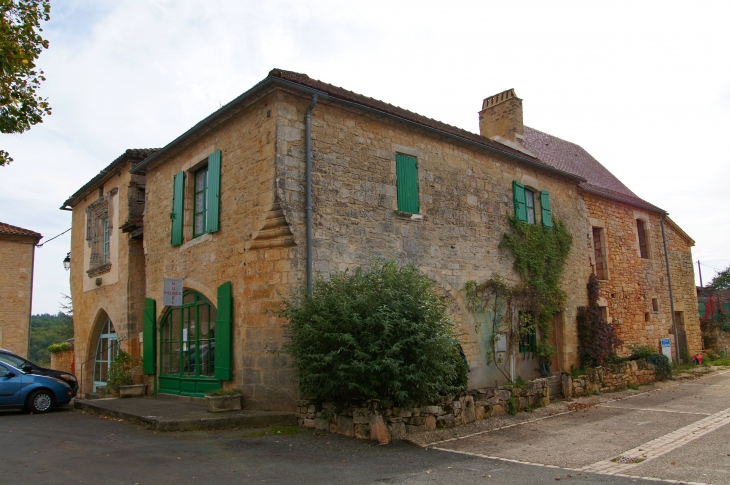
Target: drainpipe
{"points": [[308, 141], [671, 294]]}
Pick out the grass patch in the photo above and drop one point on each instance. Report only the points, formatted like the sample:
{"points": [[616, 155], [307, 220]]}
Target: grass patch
{"points": [[632, 386], [276, 431], [221, 392]]}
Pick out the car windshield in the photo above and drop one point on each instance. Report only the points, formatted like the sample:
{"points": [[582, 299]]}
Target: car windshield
{"points": [[18, 362]]}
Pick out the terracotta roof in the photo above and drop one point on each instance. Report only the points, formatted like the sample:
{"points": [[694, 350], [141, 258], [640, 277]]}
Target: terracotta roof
{"points": [[18, 231], [569, 157], [135, 155]]}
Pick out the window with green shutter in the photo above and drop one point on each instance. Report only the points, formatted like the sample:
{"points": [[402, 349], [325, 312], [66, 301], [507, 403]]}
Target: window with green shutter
{"points": [[199, 201], [224, 333], [213, 194], [178, 204], [407, 180], [148, 336], [547, 213], [518, 192]]}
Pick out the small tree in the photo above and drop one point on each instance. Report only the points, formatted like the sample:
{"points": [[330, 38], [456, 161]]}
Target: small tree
{"points": [[721, 281], [20, 46], [597, 339], [378, 333]]}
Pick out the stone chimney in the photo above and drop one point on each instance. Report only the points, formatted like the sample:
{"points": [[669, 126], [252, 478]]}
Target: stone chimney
{"points": [[501, 118]]}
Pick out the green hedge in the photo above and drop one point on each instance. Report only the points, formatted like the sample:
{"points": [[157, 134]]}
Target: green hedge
{"points": [[377, 333]]}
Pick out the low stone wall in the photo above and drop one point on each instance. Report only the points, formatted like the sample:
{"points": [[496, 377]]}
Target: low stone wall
{"points": [[609, 378], [372, 421], [63, 361]]}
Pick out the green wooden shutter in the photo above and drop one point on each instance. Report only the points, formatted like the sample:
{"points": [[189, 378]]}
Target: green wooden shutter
{"points": [[520, 202], [224, 334], [701, 308], [214, 192], [547, 213], [177, 215], [407, 180], [148, 335]]}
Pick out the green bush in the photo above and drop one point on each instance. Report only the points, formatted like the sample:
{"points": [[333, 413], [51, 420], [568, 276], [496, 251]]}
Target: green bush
{"points": [[661, 365], [221, 392], [62, 347], [378, 333]]}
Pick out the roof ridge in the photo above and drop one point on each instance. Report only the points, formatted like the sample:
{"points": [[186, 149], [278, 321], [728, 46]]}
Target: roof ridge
{"points": [[6, 228]]}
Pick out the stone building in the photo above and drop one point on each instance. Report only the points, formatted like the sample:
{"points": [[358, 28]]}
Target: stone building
{"points": [[17, 253], [629, 239], [227, 207], [107, 267], [714, 312]]}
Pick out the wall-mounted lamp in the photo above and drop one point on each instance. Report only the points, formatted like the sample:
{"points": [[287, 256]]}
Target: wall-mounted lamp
{"points": [[67, 262]]}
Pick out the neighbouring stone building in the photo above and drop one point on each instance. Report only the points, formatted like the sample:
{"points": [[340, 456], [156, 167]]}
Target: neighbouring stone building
{"points": [[628, 238], [714, 312], [17, 253], [226, 210], [107, 267]]}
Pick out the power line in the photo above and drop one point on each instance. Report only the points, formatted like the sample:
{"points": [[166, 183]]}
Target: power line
{"points": [[54, 237]]}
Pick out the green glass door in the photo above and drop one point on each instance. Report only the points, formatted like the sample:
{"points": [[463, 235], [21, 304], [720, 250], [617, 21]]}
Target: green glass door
{"points": [[187, 348]]}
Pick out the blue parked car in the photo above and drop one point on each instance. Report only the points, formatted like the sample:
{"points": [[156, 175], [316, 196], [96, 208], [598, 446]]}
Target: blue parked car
{"points": [[36, 393]]}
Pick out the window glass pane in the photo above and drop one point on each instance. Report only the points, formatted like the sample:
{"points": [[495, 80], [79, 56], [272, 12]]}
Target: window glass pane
{"points": [[199, 223], [530, 202], [200, 179], [199, 201]]}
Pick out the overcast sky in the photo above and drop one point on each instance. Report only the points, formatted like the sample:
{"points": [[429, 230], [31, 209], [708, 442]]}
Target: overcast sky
{"points": [[643, 86]]}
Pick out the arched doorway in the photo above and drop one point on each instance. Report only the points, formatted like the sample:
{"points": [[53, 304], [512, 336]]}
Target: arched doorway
{"points": [[106, 349], [187, 347]]}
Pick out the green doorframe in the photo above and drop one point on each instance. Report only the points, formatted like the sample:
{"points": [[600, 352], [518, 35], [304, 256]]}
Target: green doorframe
{"points": [[186, 364]]}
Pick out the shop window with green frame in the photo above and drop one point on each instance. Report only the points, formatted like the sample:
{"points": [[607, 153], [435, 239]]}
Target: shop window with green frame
{"points": [[187, 347], [528, 339]]}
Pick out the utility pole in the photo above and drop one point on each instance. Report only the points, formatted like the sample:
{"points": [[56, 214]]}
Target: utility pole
{"points": [[700, 270]]}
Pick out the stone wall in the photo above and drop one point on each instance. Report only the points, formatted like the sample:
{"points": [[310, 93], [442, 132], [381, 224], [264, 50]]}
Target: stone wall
{"points": [[16, 283], [714, 338], [117, 294], [252, 249], [63, 361], [372, 421], [465, 196], [609, 378], [634, 282]]}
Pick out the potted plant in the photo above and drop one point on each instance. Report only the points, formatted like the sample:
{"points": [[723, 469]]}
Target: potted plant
{"points": [[219, 400], [122, 372]]}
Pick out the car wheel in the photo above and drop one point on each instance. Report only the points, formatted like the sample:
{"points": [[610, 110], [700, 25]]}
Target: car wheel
{"points": [[40, 401]]}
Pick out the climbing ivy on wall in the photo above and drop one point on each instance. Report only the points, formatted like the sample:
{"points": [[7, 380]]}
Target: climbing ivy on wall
{"points": [[540, 255], [597, 339]]}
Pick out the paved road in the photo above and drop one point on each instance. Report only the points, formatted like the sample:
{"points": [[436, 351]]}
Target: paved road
{"points": [[69, 447], [679, 431]]}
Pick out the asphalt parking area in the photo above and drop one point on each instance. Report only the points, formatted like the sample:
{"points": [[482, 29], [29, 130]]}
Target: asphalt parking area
{"points": [[670, 420]]}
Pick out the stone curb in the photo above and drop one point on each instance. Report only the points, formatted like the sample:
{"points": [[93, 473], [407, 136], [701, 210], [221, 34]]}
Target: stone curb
{"points": [[217, 422]]}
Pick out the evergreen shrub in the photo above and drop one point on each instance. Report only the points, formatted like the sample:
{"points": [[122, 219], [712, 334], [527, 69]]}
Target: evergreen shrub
{"points": [[377, 333]]}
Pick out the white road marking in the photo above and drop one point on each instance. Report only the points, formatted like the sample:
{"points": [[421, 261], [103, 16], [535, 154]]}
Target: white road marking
{"points": [[662, 445], [579, 470], [652, 410]]}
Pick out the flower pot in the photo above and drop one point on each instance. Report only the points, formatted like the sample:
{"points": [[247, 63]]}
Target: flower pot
{"points": [[135, 390], [219, 404]]}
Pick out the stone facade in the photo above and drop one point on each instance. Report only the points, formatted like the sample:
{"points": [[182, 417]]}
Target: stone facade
{"points": [[714, 338], [375, 422], [63, 361], [16, 287], [115, 289], [635, 289], [465, 196]]}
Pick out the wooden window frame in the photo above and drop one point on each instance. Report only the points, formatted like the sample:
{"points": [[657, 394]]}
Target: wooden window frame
{"points": [[643, 238], [105, 255], [197, 210], [530, 205]]}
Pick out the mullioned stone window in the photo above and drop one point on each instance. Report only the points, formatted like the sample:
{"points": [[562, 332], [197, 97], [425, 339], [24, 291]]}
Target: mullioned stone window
{"points": [[99, 228]]}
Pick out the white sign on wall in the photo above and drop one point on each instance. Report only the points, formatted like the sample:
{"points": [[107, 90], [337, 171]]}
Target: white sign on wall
{"points": [[667, 348], [172, 292]]}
